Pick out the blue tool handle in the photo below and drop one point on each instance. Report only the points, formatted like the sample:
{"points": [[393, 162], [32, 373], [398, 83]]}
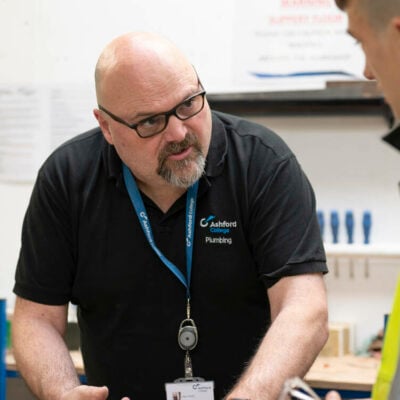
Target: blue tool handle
{"points": [[367, 222], [3, 343], [321, 222], [349, 226], [335, 226]]}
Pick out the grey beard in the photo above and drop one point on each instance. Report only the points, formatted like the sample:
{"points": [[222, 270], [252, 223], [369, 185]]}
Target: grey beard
{"points": [[176, 172], [172, 175]]}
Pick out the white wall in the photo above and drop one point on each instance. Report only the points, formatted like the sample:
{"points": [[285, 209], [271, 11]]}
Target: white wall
{"points": [[59, 42], [13, 200]]}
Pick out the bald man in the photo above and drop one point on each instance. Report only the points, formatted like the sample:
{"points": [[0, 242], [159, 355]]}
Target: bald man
{"points": [[187, 238], [376, 26]]}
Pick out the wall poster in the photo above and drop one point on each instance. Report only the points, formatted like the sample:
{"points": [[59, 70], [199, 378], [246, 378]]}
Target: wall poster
{"points": [[292, 45]]}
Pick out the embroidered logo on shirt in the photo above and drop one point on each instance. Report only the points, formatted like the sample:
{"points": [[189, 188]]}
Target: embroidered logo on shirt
{"points": [[219, 231]]}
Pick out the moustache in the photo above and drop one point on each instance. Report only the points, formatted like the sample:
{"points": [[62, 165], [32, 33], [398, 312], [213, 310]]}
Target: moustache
{"points": [[177, 147]]}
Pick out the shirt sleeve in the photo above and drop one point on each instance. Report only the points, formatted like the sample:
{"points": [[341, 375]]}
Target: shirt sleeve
{"points": [[44, 271], [285, 230]]}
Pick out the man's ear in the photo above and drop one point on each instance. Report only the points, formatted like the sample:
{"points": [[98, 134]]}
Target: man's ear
{"points": [[396, 23], [104, 125]]}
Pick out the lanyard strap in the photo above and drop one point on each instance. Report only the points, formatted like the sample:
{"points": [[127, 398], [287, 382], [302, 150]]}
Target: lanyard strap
{"points": [[141, 212]]}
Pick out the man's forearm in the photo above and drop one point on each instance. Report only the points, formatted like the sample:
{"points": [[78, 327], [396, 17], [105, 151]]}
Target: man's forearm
{"points": [[288, 349], [43, 358], [45, 363], [283, 353]]}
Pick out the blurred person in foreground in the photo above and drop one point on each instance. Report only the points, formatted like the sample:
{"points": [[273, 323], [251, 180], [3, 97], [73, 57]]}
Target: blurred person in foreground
{"points": [[375, 24]]}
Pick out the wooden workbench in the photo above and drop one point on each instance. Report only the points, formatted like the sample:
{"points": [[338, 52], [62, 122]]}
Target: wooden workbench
{"points": [[340, 373], [76, 358], [343, 373]]}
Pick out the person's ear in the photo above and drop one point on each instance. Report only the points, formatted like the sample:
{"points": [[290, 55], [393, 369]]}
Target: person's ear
{"points": [[104, 125], [396, 23]]}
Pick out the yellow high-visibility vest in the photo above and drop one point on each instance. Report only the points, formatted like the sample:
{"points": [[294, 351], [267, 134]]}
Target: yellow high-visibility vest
{"points": [[390, 351]]}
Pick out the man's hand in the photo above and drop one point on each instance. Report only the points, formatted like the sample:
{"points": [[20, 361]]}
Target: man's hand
{"points": [[84, 392], [332, 395]]}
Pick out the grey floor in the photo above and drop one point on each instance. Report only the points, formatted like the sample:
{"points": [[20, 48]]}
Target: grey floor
{"points": [[17, 390]]}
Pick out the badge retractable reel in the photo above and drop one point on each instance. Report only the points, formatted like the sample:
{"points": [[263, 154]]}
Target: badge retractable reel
{"points": [[187, 340]]}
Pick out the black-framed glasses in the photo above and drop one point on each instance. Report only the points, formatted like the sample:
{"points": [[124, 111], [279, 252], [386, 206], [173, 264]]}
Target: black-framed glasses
{"points": [[155, 124]]}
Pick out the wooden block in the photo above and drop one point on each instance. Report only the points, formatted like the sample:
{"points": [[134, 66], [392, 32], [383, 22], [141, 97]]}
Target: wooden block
{"points": [[339, 341]]}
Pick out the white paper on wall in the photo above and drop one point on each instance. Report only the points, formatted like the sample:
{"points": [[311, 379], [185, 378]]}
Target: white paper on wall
{"points": [[35, 120]]}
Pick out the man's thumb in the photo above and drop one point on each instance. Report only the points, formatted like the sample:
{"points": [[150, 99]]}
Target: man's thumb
{"points": [[94, 392], [332, 395]]}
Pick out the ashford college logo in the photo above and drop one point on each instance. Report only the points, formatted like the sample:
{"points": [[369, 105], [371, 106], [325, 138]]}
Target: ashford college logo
{"points": [[217, 231]]}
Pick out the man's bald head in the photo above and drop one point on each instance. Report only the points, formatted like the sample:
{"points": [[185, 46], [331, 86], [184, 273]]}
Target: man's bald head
{"points": [[140, 57]]}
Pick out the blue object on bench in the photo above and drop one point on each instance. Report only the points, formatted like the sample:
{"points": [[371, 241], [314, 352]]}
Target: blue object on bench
{"points": [[3, 345]]}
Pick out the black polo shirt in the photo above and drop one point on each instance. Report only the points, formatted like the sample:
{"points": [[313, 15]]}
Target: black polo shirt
{"points": [[82, 242]]}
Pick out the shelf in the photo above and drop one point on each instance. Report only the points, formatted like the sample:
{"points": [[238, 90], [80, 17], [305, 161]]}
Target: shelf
{"points": [[338, 98], [362, 250]]}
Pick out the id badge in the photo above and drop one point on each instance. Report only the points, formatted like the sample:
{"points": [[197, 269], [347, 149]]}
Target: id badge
{"points": [[194, 390]]}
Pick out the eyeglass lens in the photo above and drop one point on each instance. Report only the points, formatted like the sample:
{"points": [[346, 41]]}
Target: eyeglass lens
{"points": [[183, 111]]}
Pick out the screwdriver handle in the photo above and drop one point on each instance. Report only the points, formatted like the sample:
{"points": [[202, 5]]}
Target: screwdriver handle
{"points": [[321, 223], [367, 222], [349, 226], [335, 226]]}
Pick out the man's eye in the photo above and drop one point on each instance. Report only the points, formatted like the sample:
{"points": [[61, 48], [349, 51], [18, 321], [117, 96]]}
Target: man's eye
{"points": [[188, 103], [149, 122]]}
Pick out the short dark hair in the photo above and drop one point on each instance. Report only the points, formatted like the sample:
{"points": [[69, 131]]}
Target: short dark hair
{"points": [[378, 15], [341, 4]]}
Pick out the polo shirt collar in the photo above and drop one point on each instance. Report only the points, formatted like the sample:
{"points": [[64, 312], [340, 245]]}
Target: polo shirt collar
{"points": [[218, 148], [112, 161]]}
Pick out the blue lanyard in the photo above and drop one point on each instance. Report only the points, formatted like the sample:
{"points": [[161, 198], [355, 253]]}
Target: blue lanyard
{"points": [[141, 212]]}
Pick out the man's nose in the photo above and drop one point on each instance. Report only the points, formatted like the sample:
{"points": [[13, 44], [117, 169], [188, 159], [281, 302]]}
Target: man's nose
{"points": [[176, 130], [368, 72]]}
